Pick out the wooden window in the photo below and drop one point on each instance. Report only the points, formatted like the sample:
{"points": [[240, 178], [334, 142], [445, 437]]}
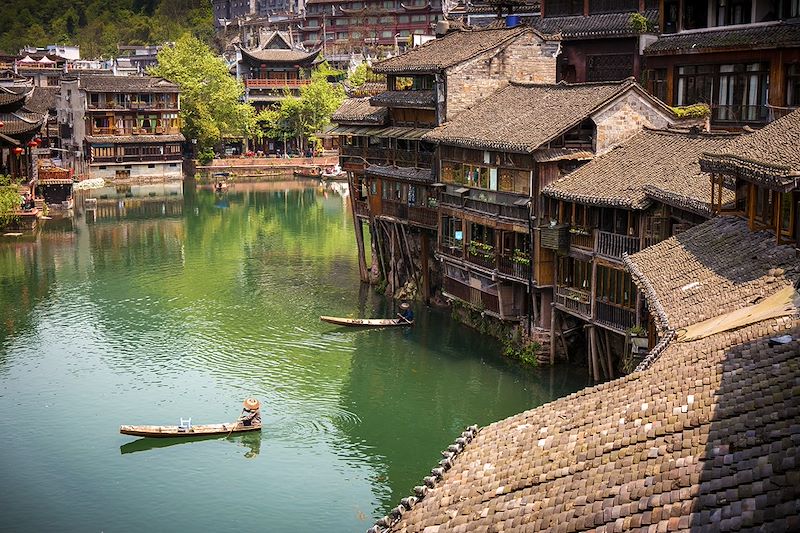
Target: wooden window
{"points": [[793, 84], [574, 273], [787, 216], [615, 287], [609, 67]]}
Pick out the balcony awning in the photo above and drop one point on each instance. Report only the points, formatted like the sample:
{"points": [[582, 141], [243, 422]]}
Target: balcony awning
{"points": [[424, 175], [396, 132], [562, 154]]}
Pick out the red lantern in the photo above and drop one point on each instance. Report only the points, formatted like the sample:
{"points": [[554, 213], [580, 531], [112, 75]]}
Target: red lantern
{"points": [[38, 142], [32, 144], [2, 123], [18, 151]]}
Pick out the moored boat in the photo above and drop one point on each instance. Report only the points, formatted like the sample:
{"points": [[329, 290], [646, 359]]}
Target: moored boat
{"points": [[308, 172], [367, 322], [192, 431]]}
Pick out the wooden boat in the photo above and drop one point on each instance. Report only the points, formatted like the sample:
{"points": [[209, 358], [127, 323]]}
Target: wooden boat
{"points": [[308, 172], [193, 431], [367, 322]]}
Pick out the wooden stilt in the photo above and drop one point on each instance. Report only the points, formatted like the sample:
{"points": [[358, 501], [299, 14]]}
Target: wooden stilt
{"points": [[362, 261], [608, 355], [378, 237], [599, 352], [425, 274], [553, 313], [593, 351]]}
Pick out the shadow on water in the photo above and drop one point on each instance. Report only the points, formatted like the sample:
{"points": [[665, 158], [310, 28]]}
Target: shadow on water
{"points": [[250, 441]]}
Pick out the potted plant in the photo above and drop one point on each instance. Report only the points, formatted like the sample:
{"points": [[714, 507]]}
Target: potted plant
{"points": [[639, 336]]}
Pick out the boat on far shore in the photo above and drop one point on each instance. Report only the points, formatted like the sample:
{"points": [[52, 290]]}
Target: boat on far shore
{"points": [[367, 322], [308, 172]]}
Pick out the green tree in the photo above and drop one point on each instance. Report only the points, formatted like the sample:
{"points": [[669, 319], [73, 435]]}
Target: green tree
{"points": [[358, 77], [211, 106], [9, 199]]}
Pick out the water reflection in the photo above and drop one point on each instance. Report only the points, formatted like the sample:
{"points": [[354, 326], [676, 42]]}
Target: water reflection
{"points": [[250, 441]]}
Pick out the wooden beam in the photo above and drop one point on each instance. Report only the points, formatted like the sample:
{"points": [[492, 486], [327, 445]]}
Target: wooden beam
{"points": [[608, 355]]}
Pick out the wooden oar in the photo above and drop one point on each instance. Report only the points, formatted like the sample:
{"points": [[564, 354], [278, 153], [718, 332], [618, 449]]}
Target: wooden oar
{"points": [[407, 321]]}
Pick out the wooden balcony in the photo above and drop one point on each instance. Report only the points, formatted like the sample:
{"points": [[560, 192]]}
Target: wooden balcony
{"points": [[361, 208], [266, 83], [515, 268], [472, 296], [452, 247], [485, 260], [614, 316], [490, 203], [423, 216], [158, 130], [173, 158], [577, 301], [394, 209], [582, 238], [613, 245]]}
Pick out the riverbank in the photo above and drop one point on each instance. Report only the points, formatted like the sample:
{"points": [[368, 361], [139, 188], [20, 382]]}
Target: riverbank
{"points": [[257, 168]]}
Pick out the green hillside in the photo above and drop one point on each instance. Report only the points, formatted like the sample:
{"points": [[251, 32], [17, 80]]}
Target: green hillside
{"points": [[99, 25]]}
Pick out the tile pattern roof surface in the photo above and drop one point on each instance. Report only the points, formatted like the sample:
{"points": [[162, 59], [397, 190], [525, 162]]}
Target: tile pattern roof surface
{"points": [[281, 55], [710, 270], [706, 439], [22, 122], [522, 117], [413, 99], [359, 111], [778, 35], [447, 51], [43, 99], [593, 26], [664, 160], [121, 84], [14, 95], [770, 155], [424, 175]]}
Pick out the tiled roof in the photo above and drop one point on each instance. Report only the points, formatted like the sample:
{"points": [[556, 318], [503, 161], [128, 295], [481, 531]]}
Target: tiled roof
{"points": [[413, 99], [14, 95], [280, 55], [593, 26], [447, 51], [359, 111], [43, 99], [122, 139], [769, 35], [705, 439], [20, 123], [121, 84], [522, 117], [666, 161], [406, 173], [710, 270], [769, 156]]}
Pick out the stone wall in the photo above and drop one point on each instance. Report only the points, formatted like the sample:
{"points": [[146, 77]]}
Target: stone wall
{"points": [[624, 118], [528, 58]]}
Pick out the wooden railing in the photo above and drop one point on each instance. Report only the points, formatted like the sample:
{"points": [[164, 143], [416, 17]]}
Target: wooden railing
{"points": [[135, 106], [394, 209], [266, 83], [423, 216], [576, 300], [582, 238], [614, 316], [138, 158], [510, 267], [361, 208], [158, 130], [475, 297], [480, 260], [613, 245], [452, 247]]}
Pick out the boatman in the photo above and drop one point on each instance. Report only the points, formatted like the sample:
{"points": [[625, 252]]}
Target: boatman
{"points": [[406, 313], [251, 414]]}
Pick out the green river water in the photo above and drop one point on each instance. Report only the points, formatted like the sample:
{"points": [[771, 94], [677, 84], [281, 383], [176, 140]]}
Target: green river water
{"points": [[176, 302]]}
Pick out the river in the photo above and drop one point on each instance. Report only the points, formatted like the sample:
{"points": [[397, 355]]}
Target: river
{"points": [[172, 301]]}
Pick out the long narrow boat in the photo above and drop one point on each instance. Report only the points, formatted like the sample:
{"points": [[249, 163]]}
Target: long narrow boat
{"points": [[367, 322], [194, 431]]}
